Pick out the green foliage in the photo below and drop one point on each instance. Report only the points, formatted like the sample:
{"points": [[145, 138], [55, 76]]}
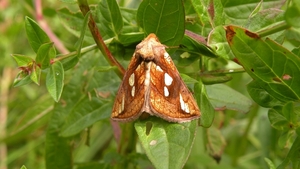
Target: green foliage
{"points": [[65, 121]]}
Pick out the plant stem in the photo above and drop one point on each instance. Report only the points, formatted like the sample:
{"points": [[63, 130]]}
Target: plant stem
{"points": [[273, 29], [84, 7]]}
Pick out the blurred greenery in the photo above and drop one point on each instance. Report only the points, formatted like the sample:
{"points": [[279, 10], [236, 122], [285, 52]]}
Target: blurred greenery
{"points": [[240, 57]]}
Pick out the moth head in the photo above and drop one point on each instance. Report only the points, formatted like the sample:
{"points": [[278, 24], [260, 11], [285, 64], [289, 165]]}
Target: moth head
{"points": [[150, 48]]}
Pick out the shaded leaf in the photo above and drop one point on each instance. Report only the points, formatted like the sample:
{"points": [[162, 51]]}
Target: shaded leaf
{"points": [[261, 96], [206, 108], [222, 96]]}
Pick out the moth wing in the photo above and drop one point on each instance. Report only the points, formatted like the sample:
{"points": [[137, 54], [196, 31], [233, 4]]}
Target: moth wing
{"points": [[170, 98], [130, 97]]}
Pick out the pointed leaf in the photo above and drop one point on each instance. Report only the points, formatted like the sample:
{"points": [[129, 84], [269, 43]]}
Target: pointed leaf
{"points": [[165, 18], [167, 145], [36, 36], [23, 167], [55, 80], [36, 74], [22, 60]]}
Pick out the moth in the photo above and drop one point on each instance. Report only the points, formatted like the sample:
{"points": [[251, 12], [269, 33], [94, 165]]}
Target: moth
{"points": [[152, 85]]}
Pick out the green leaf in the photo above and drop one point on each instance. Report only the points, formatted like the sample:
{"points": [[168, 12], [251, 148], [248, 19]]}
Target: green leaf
{"points": [[23, 167], [131, 38], [73, 23], [165, 18], [212, 17], [283, 118], [222, 96], [187, 79], [86, 112], [193, 45], [22, 78], [208, 79], [36, 36], [292, 14], [22, 60], [44, 54], [35, 75], [106, 68], [270, 163], [55, 80], [260, 59], [72, 60], [206, 108], [217, 41], [110, 17], [261, 96], [167, 145]]}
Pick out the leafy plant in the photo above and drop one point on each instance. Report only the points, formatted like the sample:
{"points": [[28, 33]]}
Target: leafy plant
{"points": [[224, 51]]}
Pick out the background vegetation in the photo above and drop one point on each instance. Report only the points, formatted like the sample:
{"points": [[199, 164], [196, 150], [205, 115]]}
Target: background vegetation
{"points": [[250, 113]]}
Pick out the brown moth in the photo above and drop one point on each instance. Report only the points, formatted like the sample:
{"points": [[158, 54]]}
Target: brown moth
{"points": [[152, 85]]}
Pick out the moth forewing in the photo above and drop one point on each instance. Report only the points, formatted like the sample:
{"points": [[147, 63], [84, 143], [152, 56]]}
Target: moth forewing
{"points": [[130, 98], [152, 84]]}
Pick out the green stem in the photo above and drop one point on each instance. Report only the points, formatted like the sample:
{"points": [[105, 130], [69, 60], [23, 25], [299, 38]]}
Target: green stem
{"points": [[273, 29]]}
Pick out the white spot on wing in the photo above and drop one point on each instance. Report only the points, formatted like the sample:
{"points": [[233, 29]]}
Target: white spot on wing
{"points": [[184, 106], [133, 91], [121, 106], [159, 68], [147, 76], [168, 79], [131, 79], [167, 56], [166, 91]]}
